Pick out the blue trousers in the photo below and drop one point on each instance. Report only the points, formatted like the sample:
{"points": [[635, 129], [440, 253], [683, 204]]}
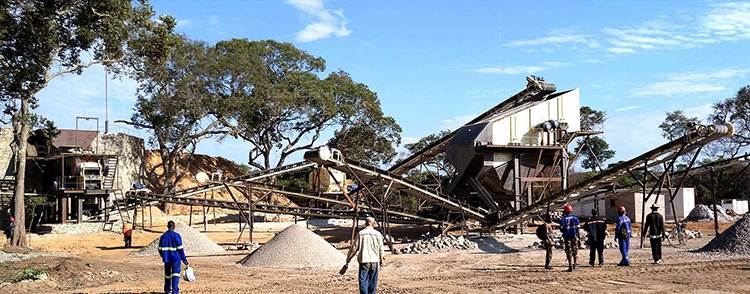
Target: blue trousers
{"points": [[172, 277], [368, 277], [624, 248]]}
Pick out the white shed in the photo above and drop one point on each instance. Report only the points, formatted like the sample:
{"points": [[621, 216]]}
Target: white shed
{"points": [[684, 202], [739, 206]]}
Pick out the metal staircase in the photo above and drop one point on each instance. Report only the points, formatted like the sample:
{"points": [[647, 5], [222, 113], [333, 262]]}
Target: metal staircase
{"points": [[110, 165]]}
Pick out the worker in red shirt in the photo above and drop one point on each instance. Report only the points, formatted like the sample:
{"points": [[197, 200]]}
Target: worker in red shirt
{"points": [[127, 232]]}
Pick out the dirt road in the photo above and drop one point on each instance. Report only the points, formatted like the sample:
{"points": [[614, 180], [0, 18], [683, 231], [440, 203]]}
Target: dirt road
{"points": [[504, 264]]}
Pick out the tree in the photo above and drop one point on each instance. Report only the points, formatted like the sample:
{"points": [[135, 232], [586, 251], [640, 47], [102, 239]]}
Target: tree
{"points": [[676, 125], [594, 150], [176, 104], [43, 40], [442, 161], [281, 106], [592, 120], [734, 110], [596, 153]]}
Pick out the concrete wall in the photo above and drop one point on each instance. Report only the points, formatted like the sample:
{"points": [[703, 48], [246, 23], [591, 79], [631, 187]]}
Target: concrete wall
{"points": [[131, 151], [684, 202], [633, 204]]}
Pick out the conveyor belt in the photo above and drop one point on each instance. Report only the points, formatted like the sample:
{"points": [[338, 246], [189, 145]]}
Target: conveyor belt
{"points": [[606, 178], [267, 208], [254, 176], [406, 186]]}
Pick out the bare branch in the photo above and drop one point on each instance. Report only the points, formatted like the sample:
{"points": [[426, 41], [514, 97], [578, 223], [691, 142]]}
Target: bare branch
{"points": [[80, 66], [134, 124]]}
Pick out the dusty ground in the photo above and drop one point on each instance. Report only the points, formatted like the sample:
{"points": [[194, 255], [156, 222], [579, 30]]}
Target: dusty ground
{"points": [[98, 264]]}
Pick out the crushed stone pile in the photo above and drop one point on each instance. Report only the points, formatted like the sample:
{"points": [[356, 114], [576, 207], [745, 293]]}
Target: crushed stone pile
{"points": [[193, 242], [703, 213], [295, 247], [429, 244], [735, 240]]}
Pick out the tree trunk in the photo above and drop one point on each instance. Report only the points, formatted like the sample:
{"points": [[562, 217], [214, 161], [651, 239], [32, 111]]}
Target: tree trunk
{"points": [[21, 134]]}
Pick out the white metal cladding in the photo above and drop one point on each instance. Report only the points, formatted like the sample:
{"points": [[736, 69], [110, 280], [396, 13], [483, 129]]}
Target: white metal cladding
{"points": [[518, 127]]}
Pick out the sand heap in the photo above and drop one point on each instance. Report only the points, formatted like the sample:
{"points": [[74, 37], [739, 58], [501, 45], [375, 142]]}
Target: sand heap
{"points": [[296, 247], [735, 240], [193, 242], [703, 213]]}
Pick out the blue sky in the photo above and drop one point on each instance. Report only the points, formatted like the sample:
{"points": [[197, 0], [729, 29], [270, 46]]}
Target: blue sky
{"points": [[436, 64]]}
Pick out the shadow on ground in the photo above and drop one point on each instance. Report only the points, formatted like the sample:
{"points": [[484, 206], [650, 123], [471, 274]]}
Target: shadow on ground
{"points": [[491, 245]]}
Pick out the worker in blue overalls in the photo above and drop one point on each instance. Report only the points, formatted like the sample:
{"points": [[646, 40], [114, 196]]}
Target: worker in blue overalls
{"points": [[569, 225], [622, 235], [172, 253]]}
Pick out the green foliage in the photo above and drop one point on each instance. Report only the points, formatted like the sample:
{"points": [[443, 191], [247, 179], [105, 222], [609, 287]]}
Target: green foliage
{"points": [[592, 120], [174, 100], [295, 179], [597, 152], [444, 165], [28, 273], [277, 102], [734, 110], [676, 125]]}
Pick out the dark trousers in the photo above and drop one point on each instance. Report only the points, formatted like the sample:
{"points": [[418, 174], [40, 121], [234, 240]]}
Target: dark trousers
{"points": [[368, 277], [548, 257], [596, 247], [128, 241], [172, 277], [656, 248]]}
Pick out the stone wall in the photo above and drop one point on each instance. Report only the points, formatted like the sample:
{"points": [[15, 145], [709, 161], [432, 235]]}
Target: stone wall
{"points": [[131, 151], [6, 154]]}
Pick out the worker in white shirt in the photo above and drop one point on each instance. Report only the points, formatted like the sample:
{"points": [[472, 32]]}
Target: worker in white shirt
{"points": [[368, 247]]}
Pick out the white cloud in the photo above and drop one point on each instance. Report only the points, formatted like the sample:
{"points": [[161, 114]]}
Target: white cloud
{"points": [[456, 122], [728, 21], [627, 108], [691, 82], [620, 50], [591, 60], [511, 69], [325, 22], [214, 20], [673, 88], [409, 140], [519, 69], [184, 23], [701, 111]]}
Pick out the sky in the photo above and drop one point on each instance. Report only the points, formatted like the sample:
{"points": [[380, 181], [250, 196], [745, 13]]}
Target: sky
{"points": [[437, 64]]}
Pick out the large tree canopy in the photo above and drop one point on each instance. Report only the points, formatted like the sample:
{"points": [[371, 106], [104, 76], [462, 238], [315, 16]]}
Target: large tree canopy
{"points": [[734, 110], [281, 106], [176, 104], [42, 40], [677, 124]]}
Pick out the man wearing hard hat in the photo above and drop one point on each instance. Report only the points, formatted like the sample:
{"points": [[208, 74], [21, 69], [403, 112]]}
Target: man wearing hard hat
{"points": [[569, 226], [9, 230], [622, 236]]}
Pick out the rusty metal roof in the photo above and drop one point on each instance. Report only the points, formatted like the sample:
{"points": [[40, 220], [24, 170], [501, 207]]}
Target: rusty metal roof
{"points": [[67, 138]]}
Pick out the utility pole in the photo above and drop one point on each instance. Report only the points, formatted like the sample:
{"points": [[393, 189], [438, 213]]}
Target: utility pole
{"points": [[106, 102]]}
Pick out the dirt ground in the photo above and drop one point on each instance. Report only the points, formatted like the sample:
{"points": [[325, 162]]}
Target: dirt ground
{"points": [[97, 263]]}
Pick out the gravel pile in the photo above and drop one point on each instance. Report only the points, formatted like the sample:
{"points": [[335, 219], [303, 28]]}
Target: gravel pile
{"points": [[296, 247], [428, 244], [735, 240], [703, 213], [193, 242]]}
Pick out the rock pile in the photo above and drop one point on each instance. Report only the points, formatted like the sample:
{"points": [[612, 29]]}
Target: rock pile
{"points": [[429, 244], [193, 242], [735, 240], [296, 247], [703, 213]]}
